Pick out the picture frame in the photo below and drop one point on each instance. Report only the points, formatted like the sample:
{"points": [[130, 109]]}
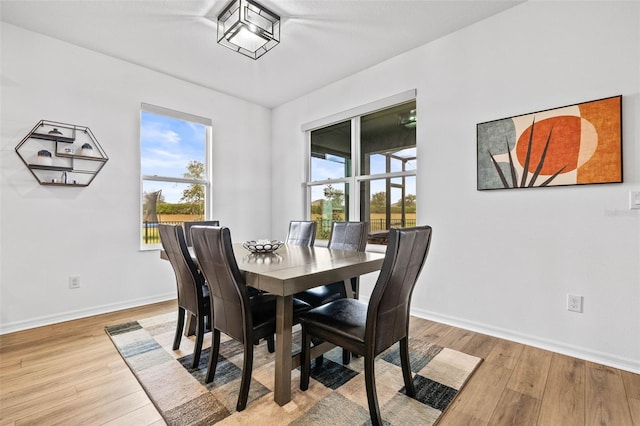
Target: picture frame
{"points": [[576, 144]]}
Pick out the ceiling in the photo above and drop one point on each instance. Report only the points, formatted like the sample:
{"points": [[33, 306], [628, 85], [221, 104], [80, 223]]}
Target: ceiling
{"points": [[321, 41]]}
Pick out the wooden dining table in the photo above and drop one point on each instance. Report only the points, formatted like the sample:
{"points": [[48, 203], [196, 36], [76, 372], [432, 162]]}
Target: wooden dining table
{"points": [[292, 269]]}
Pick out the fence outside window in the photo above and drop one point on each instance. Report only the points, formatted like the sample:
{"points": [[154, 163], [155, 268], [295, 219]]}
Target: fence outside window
{"points": [[150, 234], [378, 229]]}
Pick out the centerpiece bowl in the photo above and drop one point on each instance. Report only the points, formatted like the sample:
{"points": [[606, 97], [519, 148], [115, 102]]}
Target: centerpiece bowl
{"points": [[262, 246]]}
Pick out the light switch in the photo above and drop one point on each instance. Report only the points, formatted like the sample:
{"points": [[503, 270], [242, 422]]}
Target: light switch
{"points": [[634, 200]]}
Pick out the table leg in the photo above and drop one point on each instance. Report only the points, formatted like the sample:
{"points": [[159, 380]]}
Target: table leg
{"points": [[348, 289], [284, 323], [192, 322]]}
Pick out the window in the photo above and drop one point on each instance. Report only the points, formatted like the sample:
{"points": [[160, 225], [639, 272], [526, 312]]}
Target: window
{"points": [[362, 167], [175, 173]]}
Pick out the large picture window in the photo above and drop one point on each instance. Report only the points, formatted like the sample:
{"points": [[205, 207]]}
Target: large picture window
{"points": [[363, 166], [175, 176]]}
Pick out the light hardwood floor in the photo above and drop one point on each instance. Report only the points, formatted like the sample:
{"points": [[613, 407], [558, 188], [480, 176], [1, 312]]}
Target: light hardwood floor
{"points": [[71, 374]]}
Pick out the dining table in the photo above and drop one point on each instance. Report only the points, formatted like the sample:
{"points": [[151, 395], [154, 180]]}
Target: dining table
{"points": [[291, 269]]}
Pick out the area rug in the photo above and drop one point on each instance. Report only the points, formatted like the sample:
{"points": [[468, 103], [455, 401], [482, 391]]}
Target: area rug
{"points": [[336, 394]]}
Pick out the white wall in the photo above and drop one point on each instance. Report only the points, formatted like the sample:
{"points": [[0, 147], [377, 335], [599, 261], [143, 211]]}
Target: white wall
{"points": [[502, 262], [48, 233]]}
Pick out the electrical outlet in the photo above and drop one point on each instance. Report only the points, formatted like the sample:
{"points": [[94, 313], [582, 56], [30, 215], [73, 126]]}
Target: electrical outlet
{"points": [[574, 303], [74, 281], [634, 200]]}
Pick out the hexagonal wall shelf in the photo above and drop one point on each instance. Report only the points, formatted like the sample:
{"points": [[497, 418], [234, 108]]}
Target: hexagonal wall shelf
{"points": [[62, 154]]}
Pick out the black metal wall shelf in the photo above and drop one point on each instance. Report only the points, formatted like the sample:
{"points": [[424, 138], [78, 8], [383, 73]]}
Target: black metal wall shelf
{"points": [[48, 137], [62, 154]]}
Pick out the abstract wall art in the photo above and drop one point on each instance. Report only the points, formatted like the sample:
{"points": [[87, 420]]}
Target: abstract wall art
{"points": [[572, 145]]}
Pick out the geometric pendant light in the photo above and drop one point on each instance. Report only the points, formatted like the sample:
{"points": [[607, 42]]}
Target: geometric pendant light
{"points": [[248, 28]]}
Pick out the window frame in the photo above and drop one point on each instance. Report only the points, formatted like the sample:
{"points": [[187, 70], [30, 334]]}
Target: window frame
{"points": [[206, 182], [354, 181]]}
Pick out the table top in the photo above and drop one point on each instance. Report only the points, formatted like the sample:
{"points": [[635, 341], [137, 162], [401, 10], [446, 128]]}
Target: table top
{"points": [[291, 268]]}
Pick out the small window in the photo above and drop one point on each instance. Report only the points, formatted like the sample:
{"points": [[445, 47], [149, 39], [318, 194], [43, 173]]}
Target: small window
{"points": [[175, 177]]}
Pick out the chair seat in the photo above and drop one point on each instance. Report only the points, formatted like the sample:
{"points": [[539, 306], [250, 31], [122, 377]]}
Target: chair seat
{"points": [[263, 311], [343, 318], [251, 291], [324, 294]]}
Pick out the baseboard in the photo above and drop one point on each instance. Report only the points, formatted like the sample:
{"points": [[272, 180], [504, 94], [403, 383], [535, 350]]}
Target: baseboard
{"points": [[83, 313], [610, 360], [550, 345]]}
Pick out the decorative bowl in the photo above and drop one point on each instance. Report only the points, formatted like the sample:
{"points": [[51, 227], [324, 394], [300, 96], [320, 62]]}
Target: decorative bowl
{"points": [[262, 246]]}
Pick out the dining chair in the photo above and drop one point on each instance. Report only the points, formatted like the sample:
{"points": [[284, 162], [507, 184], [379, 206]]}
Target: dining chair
{"points": [[187, 228], [243, 318], [301, 233], [350, 236], [187, 235], [369, 329], [193, 294]]}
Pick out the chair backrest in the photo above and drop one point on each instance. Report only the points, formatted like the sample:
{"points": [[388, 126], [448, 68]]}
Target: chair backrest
{"points": [[229, 297], [388, 311], [189, 280], [187, 228], [301, 233], [349, 236]]}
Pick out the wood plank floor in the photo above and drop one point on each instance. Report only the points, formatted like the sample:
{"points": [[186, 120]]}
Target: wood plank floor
{"points": [[71, 374]]}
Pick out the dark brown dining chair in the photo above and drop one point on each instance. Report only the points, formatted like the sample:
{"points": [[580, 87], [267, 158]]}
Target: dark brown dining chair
{"points": [[193, 294], [370, 329], [351, 236], [243, 318], [187, 228], [301, 233]]}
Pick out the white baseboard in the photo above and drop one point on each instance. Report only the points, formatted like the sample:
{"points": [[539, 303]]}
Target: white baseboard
{"points": [[82, 313], [550, 345], [610, 360]]}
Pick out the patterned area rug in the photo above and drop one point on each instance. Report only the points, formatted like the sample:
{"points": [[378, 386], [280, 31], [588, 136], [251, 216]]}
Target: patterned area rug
{"points": [[336, 394]]}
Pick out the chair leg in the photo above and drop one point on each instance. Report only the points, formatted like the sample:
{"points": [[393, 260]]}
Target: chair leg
{"points": [[213, 356], [319, 361], [305, 360], [247, 367], [207, 323], [370, 384], [271, 344], [179, 327], [406, 367], [199, 338], [346, 357]]}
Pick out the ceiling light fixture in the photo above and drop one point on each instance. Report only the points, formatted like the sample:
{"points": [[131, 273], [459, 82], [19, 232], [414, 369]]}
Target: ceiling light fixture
{"points": [[408, 119], [248, 28]]}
